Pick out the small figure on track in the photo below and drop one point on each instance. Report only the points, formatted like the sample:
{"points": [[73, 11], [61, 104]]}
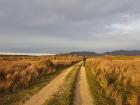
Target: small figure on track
{"points": [[84, 60]]}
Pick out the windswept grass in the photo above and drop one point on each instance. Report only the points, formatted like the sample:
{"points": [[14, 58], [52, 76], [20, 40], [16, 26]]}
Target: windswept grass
{"points": [[20, 72], [65, 95], [21, 76], [118, 78], [97, 91], [21, 95]]}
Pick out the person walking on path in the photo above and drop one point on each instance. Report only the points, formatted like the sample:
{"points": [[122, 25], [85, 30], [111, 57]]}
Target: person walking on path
{"points": [[84, 60]]}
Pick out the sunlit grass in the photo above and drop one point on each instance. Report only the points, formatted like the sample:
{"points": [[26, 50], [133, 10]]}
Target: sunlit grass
{"points": [[120, 79]]}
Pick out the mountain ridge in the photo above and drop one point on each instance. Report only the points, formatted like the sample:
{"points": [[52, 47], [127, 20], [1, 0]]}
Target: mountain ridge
{"points": [[115, 53]]}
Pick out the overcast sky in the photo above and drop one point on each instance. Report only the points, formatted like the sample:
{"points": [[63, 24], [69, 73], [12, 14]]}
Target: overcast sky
{"points": [[56, 26]]}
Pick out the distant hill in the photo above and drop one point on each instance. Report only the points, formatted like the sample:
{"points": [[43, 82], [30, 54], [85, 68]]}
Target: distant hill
{"points": [[83, 53], [123, 52], [115, 53]]}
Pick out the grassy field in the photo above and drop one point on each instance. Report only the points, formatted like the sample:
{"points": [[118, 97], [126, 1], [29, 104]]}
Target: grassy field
{"points": [[114, 81], [23, 76], [98, 92]]}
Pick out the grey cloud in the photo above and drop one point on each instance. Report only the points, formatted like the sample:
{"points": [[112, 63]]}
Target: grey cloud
{"points": [[66, 25]]}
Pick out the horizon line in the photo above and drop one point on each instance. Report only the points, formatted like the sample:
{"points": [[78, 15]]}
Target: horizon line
{"points": [[35, 54]]}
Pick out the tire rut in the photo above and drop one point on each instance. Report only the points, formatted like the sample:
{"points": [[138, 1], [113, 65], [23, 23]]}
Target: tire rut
{"points": [[82, 94]]}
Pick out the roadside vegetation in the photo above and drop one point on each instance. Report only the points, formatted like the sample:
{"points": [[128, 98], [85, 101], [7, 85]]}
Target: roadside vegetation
{"points": [[114, 81], [96, 89], [23, 76], [66, 92]]}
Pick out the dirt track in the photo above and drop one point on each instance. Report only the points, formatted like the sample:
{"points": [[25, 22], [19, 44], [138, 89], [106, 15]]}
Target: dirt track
{"points": [[48, 90], [82, 93]]}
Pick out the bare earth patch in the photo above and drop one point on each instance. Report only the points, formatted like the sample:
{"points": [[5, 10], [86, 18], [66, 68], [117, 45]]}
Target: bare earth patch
{"points": [[49, 89]]}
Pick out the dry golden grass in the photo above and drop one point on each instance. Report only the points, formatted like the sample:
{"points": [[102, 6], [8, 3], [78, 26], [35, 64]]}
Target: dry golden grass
{"points": [[20, 71], [119, 77]]}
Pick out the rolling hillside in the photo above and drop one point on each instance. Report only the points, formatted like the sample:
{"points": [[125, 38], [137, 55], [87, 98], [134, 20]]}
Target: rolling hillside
{"points": [[117, 52]]}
